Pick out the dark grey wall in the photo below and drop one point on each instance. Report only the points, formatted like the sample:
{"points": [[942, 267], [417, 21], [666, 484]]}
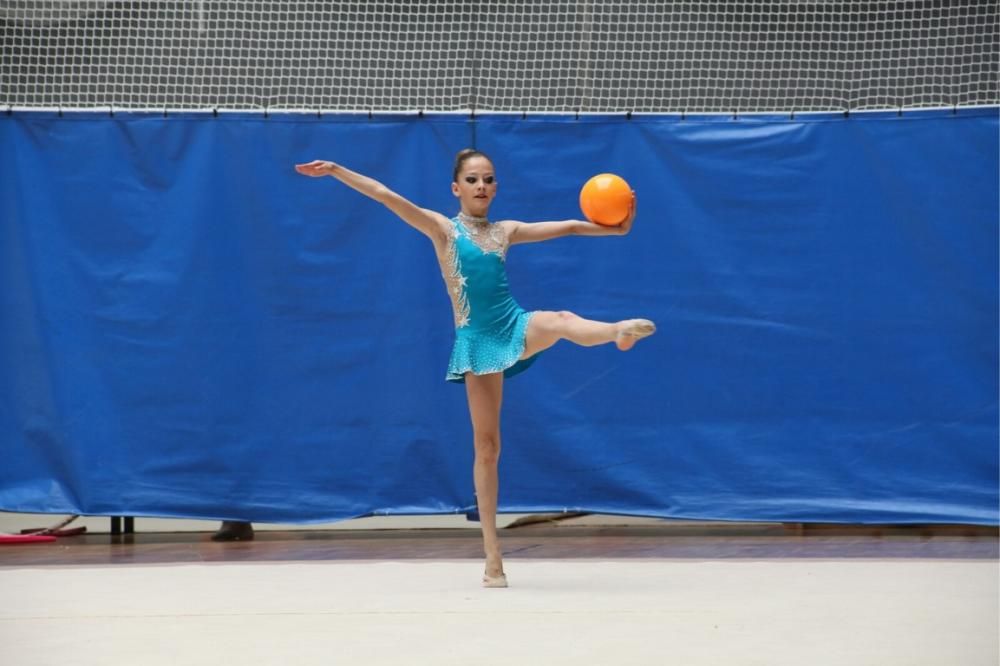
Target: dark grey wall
{"points": [[612, 55]]}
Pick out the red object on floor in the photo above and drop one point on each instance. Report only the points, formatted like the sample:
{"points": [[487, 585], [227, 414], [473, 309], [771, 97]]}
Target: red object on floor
{"points": [[24, 538]]}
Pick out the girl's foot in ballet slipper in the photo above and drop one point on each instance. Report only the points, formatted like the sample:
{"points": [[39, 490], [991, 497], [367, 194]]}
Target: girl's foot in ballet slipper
{"points": [[494, 576], [495, 581], [632, 330]]}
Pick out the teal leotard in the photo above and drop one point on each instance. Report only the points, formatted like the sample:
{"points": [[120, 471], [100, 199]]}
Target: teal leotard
{"points": [[490, 326]]}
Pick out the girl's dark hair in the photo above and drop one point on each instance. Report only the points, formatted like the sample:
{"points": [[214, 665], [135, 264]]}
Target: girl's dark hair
{"points": [[463, 155]]}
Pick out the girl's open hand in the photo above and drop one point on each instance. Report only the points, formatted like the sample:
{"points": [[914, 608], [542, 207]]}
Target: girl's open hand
{"points": [[626, 224], [316, 168]]}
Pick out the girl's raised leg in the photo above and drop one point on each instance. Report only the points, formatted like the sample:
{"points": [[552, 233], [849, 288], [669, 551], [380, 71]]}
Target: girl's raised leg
{"points": [[547, 328]]}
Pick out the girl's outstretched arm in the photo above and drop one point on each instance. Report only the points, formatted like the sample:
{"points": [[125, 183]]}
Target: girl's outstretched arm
{"points": [[533, 232], [430, 223]]}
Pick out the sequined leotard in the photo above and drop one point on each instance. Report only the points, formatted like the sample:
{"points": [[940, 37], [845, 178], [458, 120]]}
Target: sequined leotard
{"points": [[490, 326]]}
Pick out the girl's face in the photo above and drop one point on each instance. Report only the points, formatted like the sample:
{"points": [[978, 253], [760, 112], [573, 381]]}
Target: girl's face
{"points": [[476, 186]]}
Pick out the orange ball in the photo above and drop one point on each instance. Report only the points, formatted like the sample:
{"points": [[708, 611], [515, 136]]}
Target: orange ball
{"points": [[605, 199]]}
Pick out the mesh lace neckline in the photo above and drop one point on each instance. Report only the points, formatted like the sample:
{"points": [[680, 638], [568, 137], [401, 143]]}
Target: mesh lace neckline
{"points": [[489, 237], [472, 219]]}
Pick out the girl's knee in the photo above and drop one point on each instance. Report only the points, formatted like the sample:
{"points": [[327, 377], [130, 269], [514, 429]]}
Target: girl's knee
{"points": [[557, 320], [487, 446]]}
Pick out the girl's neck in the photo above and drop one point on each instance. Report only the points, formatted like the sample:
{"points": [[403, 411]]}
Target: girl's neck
{"points": [[471, 219]]}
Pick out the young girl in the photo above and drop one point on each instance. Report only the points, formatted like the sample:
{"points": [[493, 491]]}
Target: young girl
{"points": [[494, 336]]}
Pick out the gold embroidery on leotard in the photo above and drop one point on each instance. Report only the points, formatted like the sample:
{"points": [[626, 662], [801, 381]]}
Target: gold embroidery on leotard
{"points": [[455, 281]]}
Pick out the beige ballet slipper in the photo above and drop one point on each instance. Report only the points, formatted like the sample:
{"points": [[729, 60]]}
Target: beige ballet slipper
{"points": [[495, 581], [632, 330]]}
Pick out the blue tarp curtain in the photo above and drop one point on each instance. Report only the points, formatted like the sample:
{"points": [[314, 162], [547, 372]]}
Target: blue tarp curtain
{"points": [[190, 328]]}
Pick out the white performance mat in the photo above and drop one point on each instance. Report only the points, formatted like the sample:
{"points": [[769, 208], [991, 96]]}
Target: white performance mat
{"points": [[575, 612]]}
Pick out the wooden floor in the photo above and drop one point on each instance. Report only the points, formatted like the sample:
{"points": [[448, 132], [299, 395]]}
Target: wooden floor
{"points": [[705, 541]]}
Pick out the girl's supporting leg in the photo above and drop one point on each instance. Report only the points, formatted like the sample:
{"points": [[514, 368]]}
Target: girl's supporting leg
{"points": [[485, 394], [547, 328]]}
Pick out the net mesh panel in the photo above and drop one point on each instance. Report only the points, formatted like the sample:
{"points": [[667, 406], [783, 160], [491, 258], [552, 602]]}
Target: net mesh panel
{"points": [[448, 55]]}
